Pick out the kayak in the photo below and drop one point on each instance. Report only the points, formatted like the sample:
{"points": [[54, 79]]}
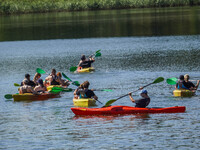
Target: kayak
{"points": [[59, 88], [84, 102], [183, 93], [83, 70], [116, 110], [33, 97]]}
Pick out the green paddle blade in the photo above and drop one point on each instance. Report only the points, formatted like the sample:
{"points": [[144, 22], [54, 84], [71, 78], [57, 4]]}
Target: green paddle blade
{"points": [[98, 51], [55, 91], [158, 80], [172, 81], [73, 68], [97, 54], [66, 77], [16, 84], [39, 70], [76, 83], [8, 96], [67, 90], [109, 102]]}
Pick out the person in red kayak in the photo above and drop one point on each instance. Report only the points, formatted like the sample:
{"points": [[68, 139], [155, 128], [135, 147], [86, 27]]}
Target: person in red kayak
{"points": [[85, 63], [84, 92], [142, 102]]}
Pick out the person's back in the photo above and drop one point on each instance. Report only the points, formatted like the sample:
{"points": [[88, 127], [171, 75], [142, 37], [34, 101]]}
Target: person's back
{"points": [[85, 63], [26, 88], [30, 82], [40, 87]]}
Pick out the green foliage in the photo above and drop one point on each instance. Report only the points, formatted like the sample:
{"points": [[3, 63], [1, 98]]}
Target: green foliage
{"points": [[30, 6]]}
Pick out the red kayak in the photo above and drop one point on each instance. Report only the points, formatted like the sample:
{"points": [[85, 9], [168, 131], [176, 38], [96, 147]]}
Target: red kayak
{"points": [[116, 110]]}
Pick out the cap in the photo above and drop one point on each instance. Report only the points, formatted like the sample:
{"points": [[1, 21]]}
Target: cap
{"points": [[27, 75], [143, 91]]}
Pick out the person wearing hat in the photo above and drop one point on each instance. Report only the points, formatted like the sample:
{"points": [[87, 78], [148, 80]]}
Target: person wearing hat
{"points": [[26, 88], [189, 84], [181, 83], [29, 81], [40, 88], [86, 63], [142, 102]]}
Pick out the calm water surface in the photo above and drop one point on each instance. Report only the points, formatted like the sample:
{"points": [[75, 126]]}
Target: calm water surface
{"points": [[127, 62]]}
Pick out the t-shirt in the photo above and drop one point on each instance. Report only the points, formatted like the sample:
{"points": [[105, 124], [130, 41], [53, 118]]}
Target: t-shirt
{"points": [[142, 103], [86, 64], [85, 93], [189, 84]]}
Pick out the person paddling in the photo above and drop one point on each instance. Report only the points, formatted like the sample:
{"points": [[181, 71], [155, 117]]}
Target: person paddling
{"points": [[62, 81], [40, 88], [86, 92], [189, 84], [143, 102], [181, 83], [26, 88], [29, 82], [85, 63], [52, 79]]}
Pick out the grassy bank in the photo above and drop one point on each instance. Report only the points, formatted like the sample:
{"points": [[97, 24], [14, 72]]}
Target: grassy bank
{"points": [[36, 6]]}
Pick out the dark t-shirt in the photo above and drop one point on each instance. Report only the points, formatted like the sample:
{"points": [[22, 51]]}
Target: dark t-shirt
{"points": [[189, 84], [86, 64], [142, 103], [85, 93]]}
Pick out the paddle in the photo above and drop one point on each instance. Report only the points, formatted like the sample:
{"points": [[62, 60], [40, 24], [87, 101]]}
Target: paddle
{"points": [[105, 90], [16, 84], [8, 96], [97, 54], [172, 81], [73, 82], [158, 80]]}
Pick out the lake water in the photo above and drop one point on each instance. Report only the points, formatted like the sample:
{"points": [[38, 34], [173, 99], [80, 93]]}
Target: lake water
{"points": [[137, 46]]}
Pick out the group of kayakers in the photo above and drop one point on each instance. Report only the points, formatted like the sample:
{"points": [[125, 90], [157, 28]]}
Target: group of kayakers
{"points": [[184, 83], [38, 86]]}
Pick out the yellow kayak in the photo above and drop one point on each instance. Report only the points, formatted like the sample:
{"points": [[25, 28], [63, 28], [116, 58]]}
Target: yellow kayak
{"points": [[33, 97], [183, 93], [84, 102], [82, 70]]}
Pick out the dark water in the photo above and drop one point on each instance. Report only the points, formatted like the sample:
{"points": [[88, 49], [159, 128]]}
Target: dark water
{"points": [[127, 62]]}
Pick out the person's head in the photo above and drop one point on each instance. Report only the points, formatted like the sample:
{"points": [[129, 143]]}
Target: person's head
{"points": [[37, 75], [186, 77], [59, 74], [181, 77], [86, 84], [83, 57], [53, 71], [27, 76], [143, 93]]}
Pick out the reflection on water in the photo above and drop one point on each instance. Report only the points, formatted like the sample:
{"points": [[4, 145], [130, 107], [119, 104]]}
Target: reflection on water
{"points": [[105, 23]]}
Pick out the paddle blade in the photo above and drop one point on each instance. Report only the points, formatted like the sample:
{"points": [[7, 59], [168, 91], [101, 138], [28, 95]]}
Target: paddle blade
{"points": [[72, 69], [55, 91], [172, 81], [66, 77], [8, 96], [98, 51], [97, 54], [158, 80], [16, 84], [39, 70], [76, 83], [109, 102]]}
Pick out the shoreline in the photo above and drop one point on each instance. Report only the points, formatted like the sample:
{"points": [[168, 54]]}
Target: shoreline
{"points": [[10, 7]]}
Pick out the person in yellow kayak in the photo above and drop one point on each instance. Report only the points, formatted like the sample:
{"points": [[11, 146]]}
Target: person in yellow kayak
{"points": [[26, 88], [36, 78], [142, 102], [62, 81], [181, 83], [85, 92], [52, 79], [85, 63], [189, 84], [29, 81], [40, 88]]}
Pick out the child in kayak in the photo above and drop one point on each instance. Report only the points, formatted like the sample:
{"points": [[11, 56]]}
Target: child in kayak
{"points": [[40, 88], [26, 88], [189, 84], [52, 79], [29, 82], [36, 78], [143, 102], [85, 92], [181, 83], [85, 63], [62, 81]]}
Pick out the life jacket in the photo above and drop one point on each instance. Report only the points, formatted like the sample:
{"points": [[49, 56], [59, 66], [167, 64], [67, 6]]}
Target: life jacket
{"points": [[181, 86]]}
